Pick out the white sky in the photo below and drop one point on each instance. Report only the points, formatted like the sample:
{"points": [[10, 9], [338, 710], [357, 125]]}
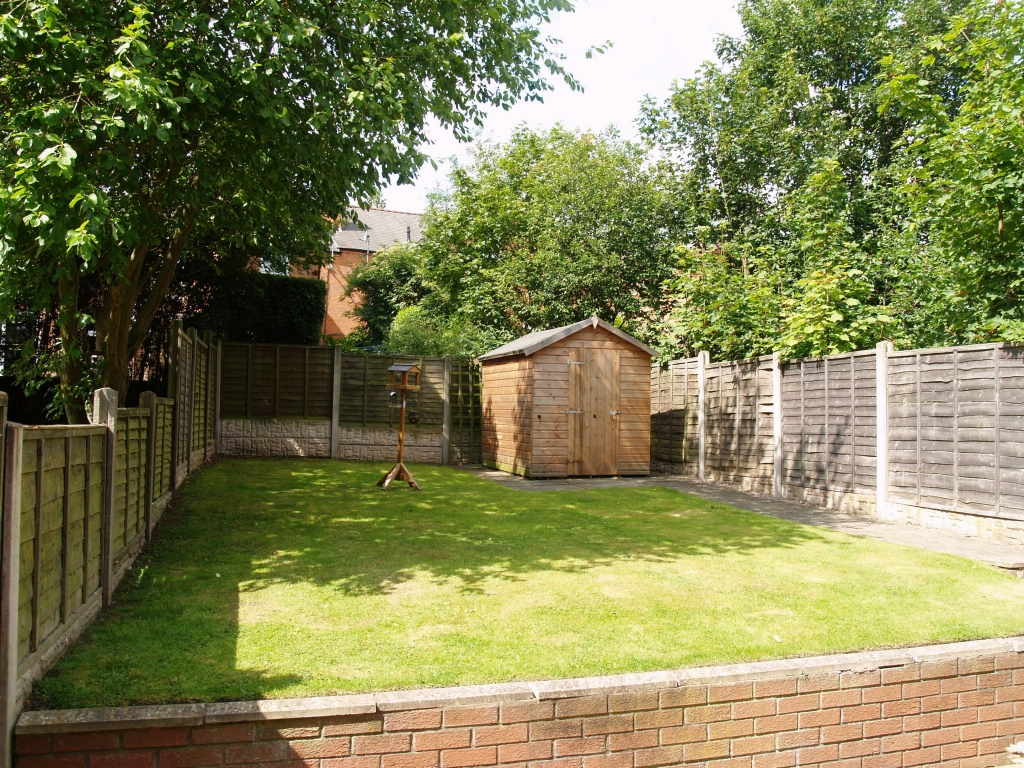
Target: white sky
{"points": [[654, 43]]}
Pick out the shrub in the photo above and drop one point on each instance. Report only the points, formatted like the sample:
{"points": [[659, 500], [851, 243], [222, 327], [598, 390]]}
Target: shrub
{"points": [[417, 332], [392, 281], [267, 309]]}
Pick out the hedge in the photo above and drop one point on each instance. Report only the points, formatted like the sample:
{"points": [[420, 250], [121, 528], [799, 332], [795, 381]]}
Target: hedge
{"points": [[268, 309]]}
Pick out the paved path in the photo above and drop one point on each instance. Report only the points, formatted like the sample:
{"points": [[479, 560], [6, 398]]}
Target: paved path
{"points": [[986, 551]]}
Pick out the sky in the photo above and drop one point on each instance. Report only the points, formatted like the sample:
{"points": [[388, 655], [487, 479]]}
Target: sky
{"points": [[653, 43]]}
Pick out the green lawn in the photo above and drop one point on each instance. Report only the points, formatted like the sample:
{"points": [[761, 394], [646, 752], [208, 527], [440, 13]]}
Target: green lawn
{"points": [[297, 578]]}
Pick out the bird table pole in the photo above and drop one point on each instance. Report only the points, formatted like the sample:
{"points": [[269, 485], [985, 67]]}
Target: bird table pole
{"points": [[401, 431], [399, 472]]}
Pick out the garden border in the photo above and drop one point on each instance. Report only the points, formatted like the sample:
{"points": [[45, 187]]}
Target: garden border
{"points": [[961, 702]]}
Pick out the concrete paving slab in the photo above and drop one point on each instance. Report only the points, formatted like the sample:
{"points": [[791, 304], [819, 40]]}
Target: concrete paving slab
{"points": [[996, 553]]}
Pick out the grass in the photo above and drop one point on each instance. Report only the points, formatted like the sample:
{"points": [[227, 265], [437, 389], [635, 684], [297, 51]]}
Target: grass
{"points": [[295, 578]]}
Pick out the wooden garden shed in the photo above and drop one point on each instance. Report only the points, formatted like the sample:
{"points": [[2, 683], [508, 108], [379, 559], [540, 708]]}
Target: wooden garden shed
{"points": [[568, 402]]}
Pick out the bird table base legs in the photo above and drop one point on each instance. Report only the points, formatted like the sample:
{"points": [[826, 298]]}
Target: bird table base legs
{"points": [[397, 472]]}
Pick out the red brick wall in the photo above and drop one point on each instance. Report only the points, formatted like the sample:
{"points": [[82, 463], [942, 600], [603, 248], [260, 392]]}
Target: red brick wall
{"points": [[339, 321], [962, 711]]}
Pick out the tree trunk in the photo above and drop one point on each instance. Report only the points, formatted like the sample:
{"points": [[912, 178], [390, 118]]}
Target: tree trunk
{"points": [[124, 324], [71, 346], [118, 305]]}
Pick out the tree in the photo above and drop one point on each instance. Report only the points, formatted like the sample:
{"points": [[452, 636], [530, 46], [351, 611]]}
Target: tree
{"points": [[748, 141], [390, 282], [831, 309], [128, 129], [962, 163], [547, 229], [415, 331], [717, 308]]}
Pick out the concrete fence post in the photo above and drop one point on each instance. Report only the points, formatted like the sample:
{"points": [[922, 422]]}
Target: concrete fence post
{"points": [[10, 558], [446, 412], [209, 393], [193, 337], [336, 404], [777, 456], [216, 407], [173, 385], [703, 358], [148, 400], [104, 411], [882, 351]]}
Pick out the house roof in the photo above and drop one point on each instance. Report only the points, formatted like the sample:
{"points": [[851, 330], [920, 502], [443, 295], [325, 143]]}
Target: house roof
{"points": [[384, 227], [536, 341]]}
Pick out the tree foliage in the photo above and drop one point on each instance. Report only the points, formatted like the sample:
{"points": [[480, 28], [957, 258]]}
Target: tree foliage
{"points": [[417, 331], [390, 282], [546, 229], [130, 128], [848, 172], [962, 165], [783, 169]]}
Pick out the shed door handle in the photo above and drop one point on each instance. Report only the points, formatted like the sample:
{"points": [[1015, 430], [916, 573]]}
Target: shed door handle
{"points": [[570, 410]]}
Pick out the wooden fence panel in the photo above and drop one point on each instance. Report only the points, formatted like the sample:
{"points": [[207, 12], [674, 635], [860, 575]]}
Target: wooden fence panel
{"points": [[738, 423], [675, 400], [213, 384], [234, 381], [77, 509], [956, 439], [865, 422], [182, 381], [129, 509], [262, 382], [319, 366], [276, 381], [364, 399], [62, 471], [164, 422], [200, 397], [1010, 454], [829, 425]]}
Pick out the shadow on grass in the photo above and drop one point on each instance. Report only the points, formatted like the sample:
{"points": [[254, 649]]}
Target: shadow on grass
{"points": [[243, 526], [329, 525]]}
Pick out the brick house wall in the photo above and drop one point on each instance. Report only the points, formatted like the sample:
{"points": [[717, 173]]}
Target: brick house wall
{"points": [[340, 321], [378, 228], [956, 705]]}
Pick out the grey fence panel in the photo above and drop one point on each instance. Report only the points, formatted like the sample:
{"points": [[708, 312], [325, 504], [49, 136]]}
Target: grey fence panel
{"points": [[675, 399], [1010, 455], [298, 388], [182, 388], [956, 430], [828, 423], [865, 422], [829, 426], [62, 471], [739, 436]]}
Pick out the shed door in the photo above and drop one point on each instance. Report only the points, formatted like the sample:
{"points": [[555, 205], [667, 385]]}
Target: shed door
{"points": [[593, 411]]}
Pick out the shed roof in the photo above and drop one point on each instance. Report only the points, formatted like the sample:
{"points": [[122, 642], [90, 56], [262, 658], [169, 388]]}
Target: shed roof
{"points": [[384, 227], [536, 341]]}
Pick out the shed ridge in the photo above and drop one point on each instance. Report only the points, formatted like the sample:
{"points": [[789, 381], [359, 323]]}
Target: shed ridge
{"points": [[538, 340]]}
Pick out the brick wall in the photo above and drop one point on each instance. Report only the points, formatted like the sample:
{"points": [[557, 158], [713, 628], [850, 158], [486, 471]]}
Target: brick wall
{"points": [[954, 705]]}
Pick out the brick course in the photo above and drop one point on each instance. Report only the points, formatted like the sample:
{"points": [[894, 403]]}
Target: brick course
{"points": [[954, 712]]}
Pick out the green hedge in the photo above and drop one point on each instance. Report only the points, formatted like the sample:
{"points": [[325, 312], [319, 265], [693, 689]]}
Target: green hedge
{"points": [[267, 309]]}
